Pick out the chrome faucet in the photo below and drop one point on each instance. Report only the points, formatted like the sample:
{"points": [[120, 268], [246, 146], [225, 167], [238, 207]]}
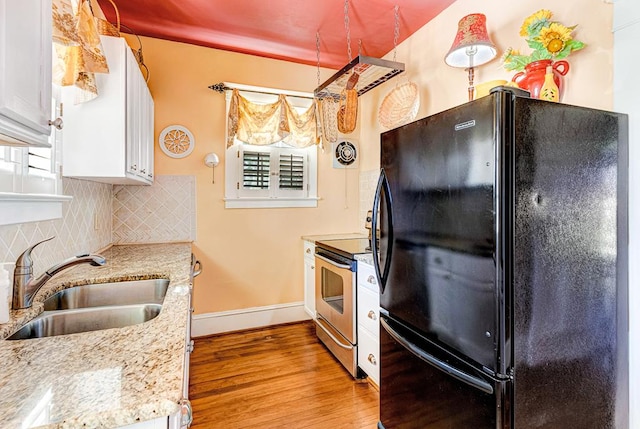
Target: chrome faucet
{"points": [[25, 286]]}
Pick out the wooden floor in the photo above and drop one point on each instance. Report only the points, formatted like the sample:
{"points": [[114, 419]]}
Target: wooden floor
{"points": [[276, 377]]}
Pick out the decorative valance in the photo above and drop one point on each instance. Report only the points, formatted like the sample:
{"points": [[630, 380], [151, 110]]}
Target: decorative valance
{"points": [[265, 124], [77, 47]]}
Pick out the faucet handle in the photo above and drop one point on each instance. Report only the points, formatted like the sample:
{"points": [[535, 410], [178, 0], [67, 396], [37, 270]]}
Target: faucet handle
{"points": [[24, 260]]}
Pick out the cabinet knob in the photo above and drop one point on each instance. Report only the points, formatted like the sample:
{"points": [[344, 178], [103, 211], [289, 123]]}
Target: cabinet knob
{"points": [[371, 315], [371, 279], [371, 358], [308, 250], [313, 267], [57, 123]]}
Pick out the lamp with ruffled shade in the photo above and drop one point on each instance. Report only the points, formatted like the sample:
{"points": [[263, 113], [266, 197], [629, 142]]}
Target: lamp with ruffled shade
{"points": [[472, 46]]}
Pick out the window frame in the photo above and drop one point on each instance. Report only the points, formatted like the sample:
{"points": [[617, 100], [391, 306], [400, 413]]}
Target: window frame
{"points": [[237, 196], [27, 195]]}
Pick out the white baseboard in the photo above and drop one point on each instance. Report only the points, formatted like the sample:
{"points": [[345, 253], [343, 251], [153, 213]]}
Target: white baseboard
{"points": [[247, 318]]}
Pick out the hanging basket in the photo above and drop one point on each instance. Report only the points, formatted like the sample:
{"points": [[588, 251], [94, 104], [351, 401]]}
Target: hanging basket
{"points": [[348, 111], [106, 28], [399, 106]]}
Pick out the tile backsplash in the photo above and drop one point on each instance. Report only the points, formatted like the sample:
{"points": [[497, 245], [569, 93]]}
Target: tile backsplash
{"points": [[160, 213], [101, 214], [85, 226], [368, 183]]}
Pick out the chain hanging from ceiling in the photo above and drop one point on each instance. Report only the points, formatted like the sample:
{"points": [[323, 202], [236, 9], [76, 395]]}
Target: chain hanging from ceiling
{"points": [[396, 30], [361, 73]]}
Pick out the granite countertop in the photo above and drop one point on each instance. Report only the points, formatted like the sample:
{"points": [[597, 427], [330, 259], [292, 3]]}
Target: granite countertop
{"points": [[108, 378]]}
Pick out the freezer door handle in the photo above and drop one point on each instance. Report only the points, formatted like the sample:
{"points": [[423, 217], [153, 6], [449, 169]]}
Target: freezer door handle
{"points": [[469, 379]]}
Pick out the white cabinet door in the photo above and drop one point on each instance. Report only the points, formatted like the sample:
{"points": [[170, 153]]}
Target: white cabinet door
{"points": [[25, 72], [368, 315], [310, 279], [110, 139]]}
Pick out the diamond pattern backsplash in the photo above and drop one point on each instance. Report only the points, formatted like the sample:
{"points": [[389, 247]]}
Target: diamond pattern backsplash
{"points": [[160, 213], [368, 183], [102, 214], [85, 227]]}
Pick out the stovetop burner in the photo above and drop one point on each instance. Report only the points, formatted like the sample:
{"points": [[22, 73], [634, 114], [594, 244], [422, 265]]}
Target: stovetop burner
{"points": [[348, 247]]}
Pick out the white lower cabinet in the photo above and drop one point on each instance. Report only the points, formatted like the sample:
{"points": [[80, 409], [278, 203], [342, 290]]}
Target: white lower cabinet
{"points": [[310, 278], [368, 322]]}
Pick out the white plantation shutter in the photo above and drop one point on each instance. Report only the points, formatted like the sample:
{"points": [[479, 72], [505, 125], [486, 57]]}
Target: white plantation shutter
{"points": [[256, 170], [291, 172], [272, 172]]}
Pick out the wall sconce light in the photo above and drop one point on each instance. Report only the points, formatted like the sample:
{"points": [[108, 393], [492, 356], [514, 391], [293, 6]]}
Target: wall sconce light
{"points": [[211, 161], [472, 46]]}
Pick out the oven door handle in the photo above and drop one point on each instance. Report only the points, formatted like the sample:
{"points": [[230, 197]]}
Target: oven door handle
{"points": [[334, 263], [333, 337]]}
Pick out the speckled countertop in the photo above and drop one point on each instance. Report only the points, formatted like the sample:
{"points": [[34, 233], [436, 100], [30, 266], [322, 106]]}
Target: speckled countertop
{"points": [[108, 378]]}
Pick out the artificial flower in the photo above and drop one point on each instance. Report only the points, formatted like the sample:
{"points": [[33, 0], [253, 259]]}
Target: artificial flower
{"points": [[554, 37], [549, 40]]}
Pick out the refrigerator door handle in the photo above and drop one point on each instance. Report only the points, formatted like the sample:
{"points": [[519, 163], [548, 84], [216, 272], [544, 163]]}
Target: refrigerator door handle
{"points": [[382, 274], [469, 379]]}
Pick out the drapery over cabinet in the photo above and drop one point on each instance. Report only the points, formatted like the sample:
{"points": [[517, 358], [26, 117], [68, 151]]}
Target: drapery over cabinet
{"points": [[25, 72]]}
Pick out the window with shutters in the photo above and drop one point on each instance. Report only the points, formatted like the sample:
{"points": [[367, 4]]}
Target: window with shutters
{"points": [[277, 175], [270, 176]]}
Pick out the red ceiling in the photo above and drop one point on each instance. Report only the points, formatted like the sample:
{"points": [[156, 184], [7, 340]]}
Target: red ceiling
{"points": [[280, 29]]}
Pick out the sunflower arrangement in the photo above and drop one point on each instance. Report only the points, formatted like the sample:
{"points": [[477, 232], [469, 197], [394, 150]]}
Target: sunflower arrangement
{"points": [[549, 40]]}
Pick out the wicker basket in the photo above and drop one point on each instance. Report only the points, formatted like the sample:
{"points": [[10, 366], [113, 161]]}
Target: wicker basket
{"points": [[106, 28], [329, 119], [348, 111], [399, 106]]}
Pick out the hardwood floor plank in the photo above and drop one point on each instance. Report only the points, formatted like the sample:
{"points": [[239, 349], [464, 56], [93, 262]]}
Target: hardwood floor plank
{"points": [[276, 377]]}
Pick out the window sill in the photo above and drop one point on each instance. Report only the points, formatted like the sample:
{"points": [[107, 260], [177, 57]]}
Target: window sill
{"points": [[267, 203], [20, 208]]}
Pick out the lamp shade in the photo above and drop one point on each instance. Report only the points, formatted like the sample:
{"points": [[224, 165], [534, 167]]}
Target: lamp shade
{"points": [[472, 45]]}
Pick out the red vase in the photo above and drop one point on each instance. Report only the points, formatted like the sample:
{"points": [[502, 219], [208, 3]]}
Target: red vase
{"points": [[532, 78]]}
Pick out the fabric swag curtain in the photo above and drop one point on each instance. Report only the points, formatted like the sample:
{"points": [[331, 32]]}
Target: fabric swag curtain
{"points": [[78, 48], [265, 124]]}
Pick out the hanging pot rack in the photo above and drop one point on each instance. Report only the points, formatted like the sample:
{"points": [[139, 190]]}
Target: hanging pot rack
{"points": [[370, 71]]}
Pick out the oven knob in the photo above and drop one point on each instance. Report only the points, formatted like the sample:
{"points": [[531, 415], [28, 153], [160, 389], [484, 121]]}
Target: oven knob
{"points": [[371, 358], [372, 315]]}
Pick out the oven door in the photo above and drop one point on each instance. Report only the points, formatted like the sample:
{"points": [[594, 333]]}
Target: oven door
{"points": [[335, 294]]}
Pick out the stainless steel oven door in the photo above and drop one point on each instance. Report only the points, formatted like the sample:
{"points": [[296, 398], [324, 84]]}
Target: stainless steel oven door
{"points": [[335, 295]]}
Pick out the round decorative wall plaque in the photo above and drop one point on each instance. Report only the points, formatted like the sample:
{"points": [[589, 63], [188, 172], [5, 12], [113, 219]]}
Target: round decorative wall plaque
{"points": [[176, 141]]}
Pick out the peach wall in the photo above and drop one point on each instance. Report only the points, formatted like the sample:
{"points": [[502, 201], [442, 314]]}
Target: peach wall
{"points": [[251, 257], [588, 83]]}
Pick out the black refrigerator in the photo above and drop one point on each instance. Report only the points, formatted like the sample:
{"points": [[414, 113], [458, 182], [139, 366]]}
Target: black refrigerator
{"points": [[502, 264]]}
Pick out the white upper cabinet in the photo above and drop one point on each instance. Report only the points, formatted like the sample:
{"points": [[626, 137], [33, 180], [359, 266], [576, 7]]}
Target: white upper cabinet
{"points": [[110, 138], [25, 72]]}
